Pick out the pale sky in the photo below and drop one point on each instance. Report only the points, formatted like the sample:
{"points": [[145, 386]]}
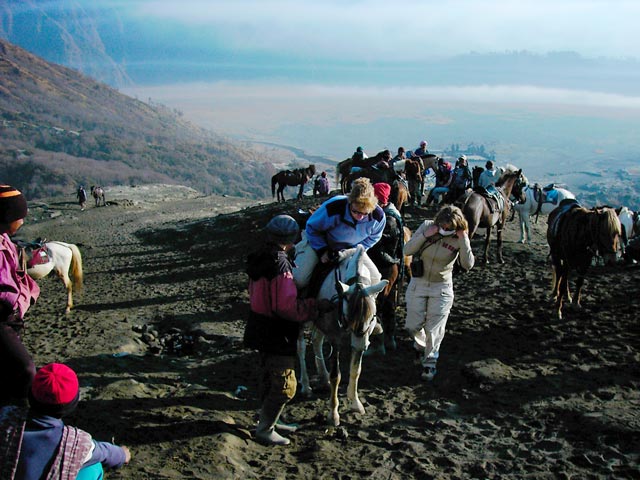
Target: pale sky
{"points": [[406, 30]]}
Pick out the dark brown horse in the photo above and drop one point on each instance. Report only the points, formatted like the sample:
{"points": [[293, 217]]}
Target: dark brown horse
{"points": [[575, 235], [291, 178], [486, 212], [345, 177], [388, 299]]}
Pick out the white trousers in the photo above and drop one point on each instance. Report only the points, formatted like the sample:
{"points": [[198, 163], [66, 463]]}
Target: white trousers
{"points": [[306, 260], [428, 307]]}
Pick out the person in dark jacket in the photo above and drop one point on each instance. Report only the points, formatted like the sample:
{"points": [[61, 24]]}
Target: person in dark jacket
{"points": [[461, 181], [49, 448], [275, 318], [384, 254]]}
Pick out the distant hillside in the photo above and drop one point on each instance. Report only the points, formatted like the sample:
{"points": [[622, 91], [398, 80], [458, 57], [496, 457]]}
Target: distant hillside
{"points": [[59, 128], [67, 33]]}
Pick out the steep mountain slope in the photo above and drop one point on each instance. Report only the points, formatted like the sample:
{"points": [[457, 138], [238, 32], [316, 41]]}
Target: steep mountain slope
{"points": [[60, 128], [63, 32]]}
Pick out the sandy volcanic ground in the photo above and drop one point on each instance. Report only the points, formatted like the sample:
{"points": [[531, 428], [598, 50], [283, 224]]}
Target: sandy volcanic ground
{"points": [[518, 393]]}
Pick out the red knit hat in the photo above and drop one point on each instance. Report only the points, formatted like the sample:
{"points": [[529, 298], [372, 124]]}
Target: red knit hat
{"points": [[55, 384], [13, 206], [382, 192]]}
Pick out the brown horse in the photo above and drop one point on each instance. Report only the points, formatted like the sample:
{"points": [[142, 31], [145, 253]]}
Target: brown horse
{"points": [[291, 178], [575, 235], [98, 194], [399, 195], [484, 211], [415, 171]]}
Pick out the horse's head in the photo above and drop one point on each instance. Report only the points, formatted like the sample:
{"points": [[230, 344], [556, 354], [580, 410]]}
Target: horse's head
{"points": [[512, 183], [359, 306], [606, 232]]}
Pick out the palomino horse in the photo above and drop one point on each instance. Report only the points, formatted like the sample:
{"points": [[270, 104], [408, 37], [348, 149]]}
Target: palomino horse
{"points": [[353, 285], [291, 178], [484, 212], [546, 201], [98, 194], [66, 260], [575, 235]]}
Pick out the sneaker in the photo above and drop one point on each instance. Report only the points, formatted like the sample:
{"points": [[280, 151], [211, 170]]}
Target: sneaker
{"points": [[428, 373]]}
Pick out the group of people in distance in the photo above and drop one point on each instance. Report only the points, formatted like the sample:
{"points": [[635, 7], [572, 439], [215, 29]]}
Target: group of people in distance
{"points": [[450, 181], [364, 217], [34, 401]]}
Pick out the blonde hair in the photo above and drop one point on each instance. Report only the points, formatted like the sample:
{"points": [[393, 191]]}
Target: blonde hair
{"points": [[453, 215], [362, 195]]}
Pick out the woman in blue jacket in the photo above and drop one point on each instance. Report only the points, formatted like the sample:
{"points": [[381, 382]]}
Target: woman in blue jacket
{"points": [[339, 223]]}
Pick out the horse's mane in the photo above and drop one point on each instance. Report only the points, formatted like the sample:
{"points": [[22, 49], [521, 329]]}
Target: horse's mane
{"points": [[508, 173], [611, 221], [580, 227]]}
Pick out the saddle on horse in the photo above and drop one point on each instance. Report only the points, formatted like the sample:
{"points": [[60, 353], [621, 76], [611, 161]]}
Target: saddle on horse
{"points": [[494, 198], [566, 205], [32, 253]]}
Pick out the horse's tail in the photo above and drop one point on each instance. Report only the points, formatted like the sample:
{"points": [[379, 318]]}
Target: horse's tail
{"points": [[76, 267], [274, 180]]}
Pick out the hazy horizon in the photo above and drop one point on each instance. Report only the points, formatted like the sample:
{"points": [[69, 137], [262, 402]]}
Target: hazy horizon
{"points": [[543, 130]]}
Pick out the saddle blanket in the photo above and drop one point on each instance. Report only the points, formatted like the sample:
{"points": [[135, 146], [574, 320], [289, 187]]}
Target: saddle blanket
{"points": [[565, 206]]}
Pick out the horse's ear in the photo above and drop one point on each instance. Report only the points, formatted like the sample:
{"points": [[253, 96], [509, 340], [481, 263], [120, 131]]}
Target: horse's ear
{"points": [[343, 286], [372, 290]]}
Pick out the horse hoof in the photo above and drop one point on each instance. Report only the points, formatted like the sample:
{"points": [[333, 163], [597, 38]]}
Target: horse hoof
{"points": [[333, 420]]}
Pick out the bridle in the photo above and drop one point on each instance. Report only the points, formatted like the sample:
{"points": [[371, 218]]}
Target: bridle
{"points": [[340, 298]]}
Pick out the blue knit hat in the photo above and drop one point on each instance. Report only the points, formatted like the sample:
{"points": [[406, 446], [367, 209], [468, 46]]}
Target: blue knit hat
{"points": [[282, 229]]}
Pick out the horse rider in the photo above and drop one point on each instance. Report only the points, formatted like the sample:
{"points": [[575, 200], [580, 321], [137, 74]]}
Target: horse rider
{"points": [[444, 177], [490, 176], [359, 160], [462, 179], [399, 157], [18, 291], [422, 149], [341, 222]]}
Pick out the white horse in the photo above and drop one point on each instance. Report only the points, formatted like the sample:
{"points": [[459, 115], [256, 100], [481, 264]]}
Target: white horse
{"points": [[64, 258], [630, 222], [353, 285], [531, 206]]}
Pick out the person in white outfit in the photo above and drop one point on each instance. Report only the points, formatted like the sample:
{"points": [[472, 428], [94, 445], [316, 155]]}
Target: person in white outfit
{"points": [[429, 296]]}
